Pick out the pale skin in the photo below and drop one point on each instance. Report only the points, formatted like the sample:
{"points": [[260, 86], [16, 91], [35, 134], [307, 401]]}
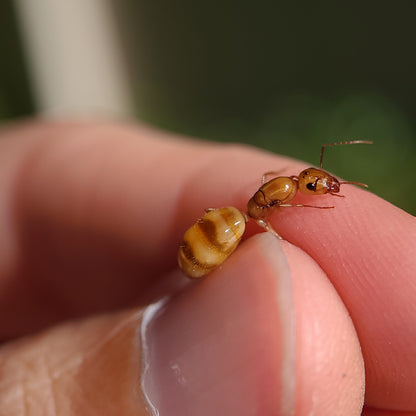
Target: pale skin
{"points": [[91, 216]]}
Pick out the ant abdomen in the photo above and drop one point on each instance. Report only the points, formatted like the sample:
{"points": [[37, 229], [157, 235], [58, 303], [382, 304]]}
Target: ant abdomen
{"points": [[211, 240]]}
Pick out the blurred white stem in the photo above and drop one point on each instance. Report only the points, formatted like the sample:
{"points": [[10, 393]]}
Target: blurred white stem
{"points": [[76, 64]]}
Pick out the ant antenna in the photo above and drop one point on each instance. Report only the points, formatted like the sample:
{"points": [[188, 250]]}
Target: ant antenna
{"points": [[364, 185], [342, 143]]}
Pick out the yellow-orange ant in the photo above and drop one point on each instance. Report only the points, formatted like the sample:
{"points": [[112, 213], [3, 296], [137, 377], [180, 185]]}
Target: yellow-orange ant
{"points": [[209, 242]]}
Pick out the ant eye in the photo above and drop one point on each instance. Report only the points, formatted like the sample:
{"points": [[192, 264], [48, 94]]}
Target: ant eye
{"points": [[311, 186]]}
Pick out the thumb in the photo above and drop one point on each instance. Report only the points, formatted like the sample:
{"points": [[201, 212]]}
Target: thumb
{"points": [[225, 345], [265, 335]]}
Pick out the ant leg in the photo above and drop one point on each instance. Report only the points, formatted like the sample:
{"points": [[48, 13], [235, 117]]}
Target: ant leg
{"points": [[245, 215], [302, 206], [268, 227], [272, 172]]}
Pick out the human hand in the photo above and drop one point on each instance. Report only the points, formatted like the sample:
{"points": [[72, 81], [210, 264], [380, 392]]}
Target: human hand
{"points": [[91, 218]]}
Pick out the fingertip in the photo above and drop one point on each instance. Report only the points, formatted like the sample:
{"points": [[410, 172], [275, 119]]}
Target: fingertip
{"points": [[329, 365], [366, 247], [269, 327]]}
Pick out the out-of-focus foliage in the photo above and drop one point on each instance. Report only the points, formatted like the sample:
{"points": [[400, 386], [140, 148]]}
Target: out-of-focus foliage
{"points": [[15, 97], [286, 76]]}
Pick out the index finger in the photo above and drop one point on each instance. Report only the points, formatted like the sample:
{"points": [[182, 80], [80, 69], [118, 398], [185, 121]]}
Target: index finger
{"points": [[92, 216]]}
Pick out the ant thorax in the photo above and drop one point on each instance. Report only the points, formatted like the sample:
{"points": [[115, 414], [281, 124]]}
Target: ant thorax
{"points": [[271, 194]]}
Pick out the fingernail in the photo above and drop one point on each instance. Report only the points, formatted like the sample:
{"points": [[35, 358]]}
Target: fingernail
{"points": [[225, 346]]}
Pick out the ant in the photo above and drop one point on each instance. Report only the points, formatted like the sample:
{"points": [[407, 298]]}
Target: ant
{"points": [[279, 191], [211, 240]]}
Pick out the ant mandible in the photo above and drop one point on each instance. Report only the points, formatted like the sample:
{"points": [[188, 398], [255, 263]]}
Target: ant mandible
{"points": [[212, 239]]}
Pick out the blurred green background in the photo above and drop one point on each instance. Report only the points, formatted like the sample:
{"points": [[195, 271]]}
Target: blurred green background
{"points": [[15, 95], [285, 76]]}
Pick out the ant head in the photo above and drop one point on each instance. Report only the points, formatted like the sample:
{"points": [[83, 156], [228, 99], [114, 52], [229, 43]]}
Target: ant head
{"points": [[315, 181]]}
